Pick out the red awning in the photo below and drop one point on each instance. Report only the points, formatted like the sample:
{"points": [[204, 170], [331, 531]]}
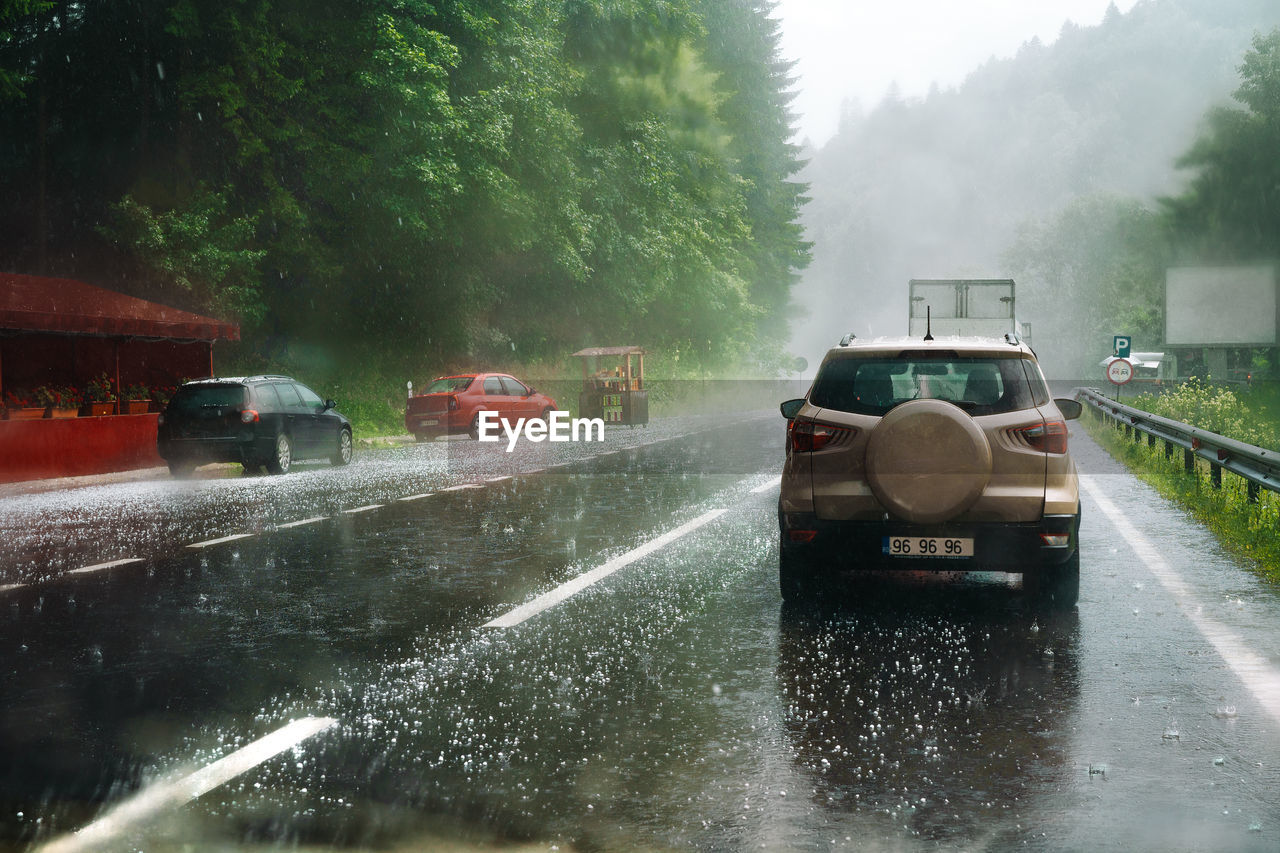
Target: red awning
{"points": [[31, 303]]}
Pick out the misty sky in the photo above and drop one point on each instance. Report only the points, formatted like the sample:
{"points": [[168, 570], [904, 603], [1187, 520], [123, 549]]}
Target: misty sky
{"points": [[854, 49]]}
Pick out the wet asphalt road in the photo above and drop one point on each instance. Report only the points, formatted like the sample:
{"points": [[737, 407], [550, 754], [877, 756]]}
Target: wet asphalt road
{"points": [[674, 704]]}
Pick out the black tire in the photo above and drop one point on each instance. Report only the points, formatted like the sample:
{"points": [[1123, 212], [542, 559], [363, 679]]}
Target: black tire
{"points": [[419, 437], [1057, 587], [474, 429], [342, 453], [251, 468], [546, 415], [181, 468], [282, 457]]}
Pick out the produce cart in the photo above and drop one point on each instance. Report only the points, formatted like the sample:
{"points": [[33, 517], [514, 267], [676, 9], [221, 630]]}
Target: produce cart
{"points": [[611, 389]]}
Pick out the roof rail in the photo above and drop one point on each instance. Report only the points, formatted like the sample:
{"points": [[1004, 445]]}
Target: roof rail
{"points": [[1012, 339], [847, 339]]}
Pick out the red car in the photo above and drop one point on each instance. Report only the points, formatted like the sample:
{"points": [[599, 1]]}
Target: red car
{"points": [[452, 404]]}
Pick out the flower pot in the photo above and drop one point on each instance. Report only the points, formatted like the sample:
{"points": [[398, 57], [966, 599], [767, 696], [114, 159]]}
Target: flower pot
{"points": [[96, 410], [135, 407], [30, 413], [64, 413]]}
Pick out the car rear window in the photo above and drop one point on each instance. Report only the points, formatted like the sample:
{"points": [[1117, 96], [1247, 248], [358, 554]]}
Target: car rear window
{"points": [[449, 384], [193, 397], [873, 386]]}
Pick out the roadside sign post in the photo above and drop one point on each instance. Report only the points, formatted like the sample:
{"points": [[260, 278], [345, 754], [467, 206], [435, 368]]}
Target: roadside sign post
{"points": [[1120, 373], [1120, 345]]}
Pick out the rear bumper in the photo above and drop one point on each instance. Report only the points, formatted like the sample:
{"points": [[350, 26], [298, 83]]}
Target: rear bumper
{"points": [[245, 448], [434, 423], [998, 546]]}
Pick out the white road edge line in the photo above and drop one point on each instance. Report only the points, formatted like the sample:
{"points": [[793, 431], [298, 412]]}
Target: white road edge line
{"points": [[362, 509], [1259, 677], [569, 588], [312, 520], [764, 487], [416, 497], [103, 566], [462, 486], [230, 538], [175, 793]]}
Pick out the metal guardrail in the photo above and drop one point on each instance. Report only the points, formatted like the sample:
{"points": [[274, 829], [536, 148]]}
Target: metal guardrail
{"points": [[1257, 465]]}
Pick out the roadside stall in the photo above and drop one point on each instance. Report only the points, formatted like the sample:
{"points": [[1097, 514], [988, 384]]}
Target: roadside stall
{"points": [[612, 386], [85, 371]]}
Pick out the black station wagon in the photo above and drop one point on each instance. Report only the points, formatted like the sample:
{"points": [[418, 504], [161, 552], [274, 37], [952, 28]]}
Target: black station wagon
{"points": [[254, 420]]}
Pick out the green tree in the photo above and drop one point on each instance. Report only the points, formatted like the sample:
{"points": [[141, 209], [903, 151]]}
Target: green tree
{"points": [[1231, 210]]}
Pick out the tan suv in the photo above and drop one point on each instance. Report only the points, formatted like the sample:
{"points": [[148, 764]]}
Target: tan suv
{"points": [[944, 454]]}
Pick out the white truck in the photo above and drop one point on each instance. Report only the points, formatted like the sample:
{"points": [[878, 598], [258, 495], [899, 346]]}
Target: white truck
{"points": [[969, 307]]}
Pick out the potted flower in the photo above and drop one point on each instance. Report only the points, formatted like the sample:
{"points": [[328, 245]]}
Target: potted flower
{"points": [[100, 397], [135, 400], [60, 401], [21, 406]]}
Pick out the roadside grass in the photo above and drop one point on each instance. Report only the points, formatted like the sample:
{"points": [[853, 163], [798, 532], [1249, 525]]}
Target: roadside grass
{"points": [[1247, 530]]}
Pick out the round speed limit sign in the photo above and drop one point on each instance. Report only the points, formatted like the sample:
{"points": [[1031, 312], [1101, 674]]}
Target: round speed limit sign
{"points": [[1119, 371]]}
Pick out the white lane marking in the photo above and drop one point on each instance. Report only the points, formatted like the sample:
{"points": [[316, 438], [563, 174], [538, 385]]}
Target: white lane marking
{"points": [[175, 793], [568, 588], [10, 587], [362, 509], [416, 497], [219, 541], [498, 479], [764, 487], [462, 486], [533, 471], [301, 523], [102, 566], [1259, 677]]}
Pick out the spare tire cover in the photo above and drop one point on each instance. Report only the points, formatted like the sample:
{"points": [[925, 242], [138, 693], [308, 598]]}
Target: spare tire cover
{"points": [[927, 461]]}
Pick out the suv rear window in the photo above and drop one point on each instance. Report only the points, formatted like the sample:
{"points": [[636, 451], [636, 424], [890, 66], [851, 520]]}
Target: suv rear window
{"points": [[194, 397], [873, 386]]}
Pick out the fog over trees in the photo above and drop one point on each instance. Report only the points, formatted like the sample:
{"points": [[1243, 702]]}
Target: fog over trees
{"points": [[1065, 167]]}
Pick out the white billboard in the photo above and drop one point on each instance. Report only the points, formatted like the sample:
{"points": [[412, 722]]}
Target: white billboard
{"points": [[1221, 306]]}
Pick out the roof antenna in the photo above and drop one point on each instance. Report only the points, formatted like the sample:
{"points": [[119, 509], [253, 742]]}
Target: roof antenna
{"points": [[928, 323]]}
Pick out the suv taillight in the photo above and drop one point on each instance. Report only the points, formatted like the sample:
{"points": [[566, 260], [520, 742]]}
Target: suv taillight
{"points": [[807, 436], [1047, 437], [248, 416]]}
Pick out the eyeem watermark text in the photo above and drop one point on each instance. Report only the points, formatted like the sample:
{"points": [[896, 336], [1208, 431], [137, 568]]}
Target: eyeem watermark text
{"points": [[558, 427]]}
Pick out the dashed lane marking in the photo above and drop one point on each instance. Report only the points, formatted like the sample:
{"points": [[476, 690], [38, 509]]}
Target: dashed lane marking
{"points": [[178, 792], [416, 497], [1258, 675], [362, 509], [104, 566], [233, 537], [462, 486], [569, 588], [312, 520], [11, 587], [766, 486]]}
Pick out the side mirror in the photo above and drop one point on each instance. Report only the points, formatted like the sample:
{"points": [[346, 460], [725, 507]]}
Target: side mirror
{"points": [[329, 404], [1071, 409], [791, 408]]}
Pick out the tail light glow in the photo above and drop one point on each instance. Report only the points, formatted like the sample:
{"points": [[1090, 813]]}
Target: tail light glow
{"points": [[808, 436], [1047, 437], [453, 403], [248, 416]]}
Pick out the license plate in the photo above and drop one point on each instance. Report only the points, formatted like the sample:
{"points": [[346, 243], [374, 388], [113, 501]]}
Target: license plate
{"points": [[944, 547], [428, 421]]}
